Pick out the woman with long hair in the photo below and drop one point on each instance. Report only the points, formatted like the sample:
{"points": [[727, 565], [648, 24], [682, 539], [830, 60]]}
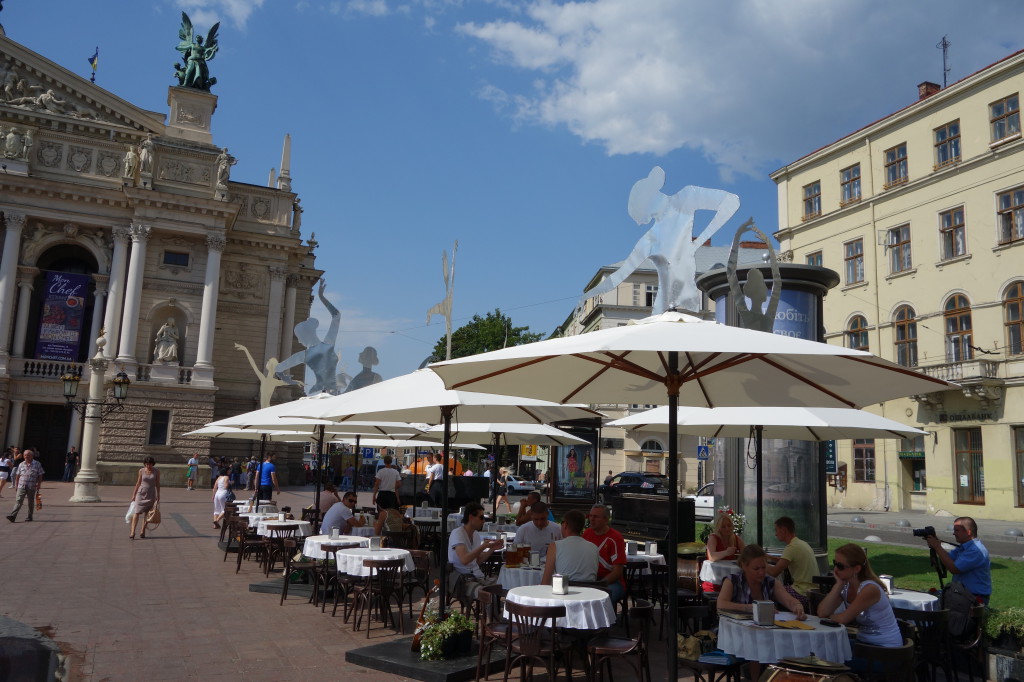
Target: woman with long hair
{"points": [[501, 495], [390, 518], [6, 467], [858, 596], [146, 495], [723, 543]]}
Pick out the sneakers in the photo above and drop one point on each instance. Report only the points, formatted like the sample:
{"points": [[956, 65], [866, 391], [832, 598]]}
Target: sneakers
{"points": [[10, 517]]}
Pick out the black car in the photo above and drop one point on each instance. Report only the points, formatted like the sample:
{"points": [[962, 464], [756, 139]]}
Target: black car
{"points": [[633, 482]]}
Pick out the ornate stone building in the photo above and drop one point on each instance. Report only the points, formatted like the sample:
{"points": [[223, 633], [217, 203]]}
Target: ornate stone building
{"points": [[124, 219]]}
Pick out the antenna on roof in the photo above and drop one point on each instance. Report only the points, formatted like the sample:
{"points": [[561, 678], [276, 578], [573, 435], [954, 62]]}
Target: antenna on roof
{"points": [[944, 46]]}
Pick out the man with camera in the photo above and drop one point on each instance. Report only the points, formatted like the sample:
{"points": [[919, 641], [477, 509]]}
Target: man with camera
{"points": [[969, 563]]}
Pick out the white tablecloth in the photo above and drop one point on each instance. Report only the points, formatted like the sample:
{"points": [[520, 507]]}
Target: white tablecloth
{"points": [[254, 519], [420, 512], [351, 560], [909, 599], [519, 577], [769, 644], [312, 547], [500, 528], [362, 531], [716, 571], [302, 528], [649, 558], [586, 608]]}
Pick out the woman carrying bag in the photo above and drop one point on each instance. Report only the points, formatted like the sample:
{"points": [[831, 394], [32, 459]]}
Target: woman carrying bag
{"points": [[146, 496]]}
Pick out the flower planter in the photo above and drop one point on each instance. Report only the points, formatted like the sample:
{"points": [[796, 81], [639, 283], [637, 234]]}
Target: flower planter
{"points": [[459, 644]]}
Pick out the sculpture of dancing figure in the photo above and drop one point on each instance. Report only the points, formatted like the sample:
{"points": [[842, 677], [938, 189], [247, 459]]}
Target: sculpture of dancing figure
{"points": [[165, 348], [319, 356], [670, 244], [754, 316], [268, 381], [195, 73], [367, 377]]}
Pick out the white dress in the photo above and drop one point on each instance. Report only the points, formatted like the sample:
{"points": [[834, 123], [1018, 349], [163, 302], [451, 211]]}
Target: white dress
{"points": [[222, 492]]}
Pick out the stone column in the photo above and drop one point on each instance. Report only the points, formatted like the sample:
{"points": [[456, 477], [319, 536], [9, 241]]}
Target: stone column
{"points": [[289, 317], [15, 419], [112, 314], [277, 279], [26, 278], [15, 223], [87, 480], [211, 289], [133, 293], [99, 294]]}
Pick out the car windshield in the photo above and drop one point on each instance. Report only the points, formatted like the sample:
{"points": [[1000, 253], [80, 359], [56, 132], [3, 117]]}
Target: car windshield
{"points": [[654, 481]]}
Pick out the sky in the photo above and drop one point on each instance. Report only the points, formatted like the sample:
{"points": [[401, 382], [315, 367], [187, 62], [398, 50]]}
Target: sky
{"points": [[515, 127]]}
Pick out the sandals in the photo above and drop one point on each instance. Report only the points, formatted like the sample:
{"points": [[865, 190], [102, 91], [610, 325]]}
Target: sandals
{"points": [[131, 537], [216, 525], [143, 534]]}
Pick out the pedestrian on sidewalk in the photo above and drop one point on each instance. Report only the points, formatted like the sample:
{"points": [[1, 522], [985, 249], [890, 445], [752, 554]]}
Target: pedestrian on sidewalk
{"points": [[70, 465], [28, 476], [192, 472], [250, 472], [6, 469], [146, 494], [222, 487]]}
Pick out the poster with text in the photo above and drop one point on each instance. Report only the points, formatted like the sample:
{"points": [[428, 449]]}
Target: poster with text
{"points": [[575, 472], [60, 323]]}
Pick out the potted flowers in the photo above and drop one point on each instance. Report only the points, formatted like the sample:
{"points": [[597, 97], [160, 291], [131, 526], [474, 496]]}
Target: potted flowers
{"points": [[448, 638]]}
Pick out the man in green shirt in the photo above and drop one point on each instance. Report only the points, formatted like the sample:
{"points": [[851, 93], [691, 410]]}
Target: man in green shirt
{"points": [[798, 557]]}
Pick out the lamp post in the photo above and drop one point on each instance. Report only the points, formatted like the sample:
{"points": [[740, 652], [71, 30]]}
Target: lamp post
{"points": [[93, 411]]}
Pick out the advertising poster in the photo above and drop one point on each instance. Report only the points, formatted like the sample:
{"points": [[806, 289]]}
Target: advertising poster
{"points": [[575, 472], [60, 324]]}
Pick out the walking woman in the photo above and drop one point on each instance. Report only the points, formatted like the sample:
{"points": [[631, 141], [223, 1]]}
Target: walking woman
{"points": [[502, 492], [6, 467], [146, 495], [221, 489]]}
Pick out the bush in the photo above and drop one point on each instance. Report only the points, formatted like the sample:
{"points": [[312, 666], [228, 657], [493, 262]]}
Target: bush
{"points": [[435, 634]]}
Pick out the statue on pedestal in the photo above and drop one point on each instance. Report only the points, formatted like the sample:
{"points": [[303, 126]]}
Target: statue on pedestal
{"points": [[165, 348], [195, 73]]}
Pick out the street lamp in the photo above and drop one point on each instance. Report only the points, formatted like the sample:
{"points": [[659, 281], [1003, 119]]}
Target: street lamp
{"points": [[120, 390]]}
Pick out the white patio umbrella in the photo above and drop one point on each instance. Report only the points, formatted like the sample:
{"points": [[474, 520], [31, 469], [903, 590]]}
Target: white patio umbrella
{"points": [[678, 359], [401, 443]]}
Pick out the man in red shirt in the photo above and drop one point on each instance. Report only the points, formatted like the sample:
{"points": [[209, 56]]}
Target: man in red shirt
{"points": [[611, 549]]}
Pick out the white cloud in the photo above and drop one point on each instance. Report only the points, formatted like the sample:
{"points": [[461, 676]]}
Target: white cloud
{"points": [[205, 13], [748, 83], [373, 8]]}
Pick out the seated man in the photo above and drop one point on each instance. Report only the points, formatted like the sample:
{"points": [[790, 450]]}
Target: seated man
{"points": [[798, 557], [467, 551], [340, 516], [572, 556], [540, 533], [611, 549], [523, 515]]}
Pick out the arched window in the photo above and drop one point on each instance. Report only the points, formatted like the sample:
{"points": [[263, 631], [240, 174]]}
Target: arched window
{"points": [[957, 315], [857, 333], [1013, 316], [905, 329], [651, 446]]}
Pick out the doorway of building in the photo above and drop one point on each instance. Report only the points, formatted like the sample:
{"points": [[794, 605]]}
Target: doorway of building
{"points": [[46, 430]]}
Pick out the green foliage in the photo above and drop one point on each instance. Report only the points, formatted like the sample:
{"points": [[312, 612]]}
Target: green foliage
{"points": [[1009, 620], [482, 334], [436, 633], [704, 533]]}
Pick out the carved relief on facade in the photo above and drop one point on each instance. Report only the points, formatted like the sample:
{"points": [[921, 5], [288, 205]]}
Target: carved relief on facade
{"points": [[49, 153], [242, 201], [22, 90], [15, 143], [109, 163], [261, 208], [180, 171], [79, 159], [186, 114], [242, 281]]}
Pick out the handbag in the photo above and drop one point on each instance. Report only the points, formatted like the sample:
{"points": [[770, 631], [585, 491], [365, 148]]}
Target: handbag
{"points": [[153, 517], [230, 497], [39, 500]]}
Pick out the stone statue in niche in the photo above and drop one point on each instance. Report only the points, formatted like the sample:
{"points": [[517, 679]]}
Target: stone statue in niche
{"points": [[131, 164], [268, 381], [319, 357], [367, 377], [670, 244], [165, 345], [756, 315]]}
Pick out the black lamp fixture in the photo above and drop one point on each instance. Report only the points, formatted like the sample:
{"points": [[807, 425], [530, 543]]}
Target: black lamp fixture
{"points": [[120, 382]]}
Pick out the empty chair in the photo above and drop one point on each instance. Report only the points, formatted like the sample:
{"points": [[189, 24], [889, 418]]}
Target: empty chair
{"points": [[886, 663], [306, 566], [490, 631], [382, 586], [249, 544], [535, 638], [603, 649], [932, 642]]}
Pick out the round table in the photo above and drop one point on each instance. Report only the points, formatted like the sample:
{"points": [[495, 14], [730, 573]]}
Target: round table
{"points": [[649, 558], [362, 531], [267, 526], [770, 644], [586, 608], [911, 599], [254, 518], [350, 561], [312, 547], [511, 578], [423, 512], [715, 572]]}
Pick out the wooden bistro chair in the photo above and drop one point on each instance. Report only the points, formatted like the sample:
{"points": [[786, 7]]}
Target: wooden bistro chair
{"points": [[535, 641], [693, 618], [933, 645], [888, 664], [249, 544], [603, 649], [305, 566], [326, 575], [276, 549], [383, 586], [491, 631]]}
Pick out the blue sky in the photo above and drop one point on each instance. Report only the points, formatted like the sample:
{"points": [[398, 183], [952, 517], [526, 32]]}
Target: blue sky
{"points": [[514, 127]]}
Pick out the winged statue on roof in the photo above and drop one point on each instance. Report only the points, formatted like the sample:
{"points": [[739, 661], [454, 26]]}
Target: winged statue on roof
{"points": [[196, 52]]}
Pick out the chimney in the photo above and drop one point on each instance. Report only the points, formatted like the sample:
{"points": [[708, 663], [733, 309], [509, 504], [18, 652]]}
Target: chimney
{"points": [[927, 89]]}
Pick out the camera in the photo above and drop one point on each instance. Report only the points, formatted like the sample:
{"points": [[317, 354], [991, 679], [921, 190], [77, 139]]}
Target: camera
{"points": [[925, 532]]}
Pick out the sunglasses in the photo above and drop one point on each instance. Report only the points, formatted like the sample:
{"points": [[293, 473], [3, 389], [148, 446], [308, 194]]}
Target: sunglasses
{"points": [[841, 566]]}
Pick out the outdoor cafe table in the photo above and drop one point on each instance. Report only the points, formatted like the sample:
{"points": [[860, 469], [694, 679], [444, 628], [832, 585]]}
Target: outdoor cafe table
{"points": [[350, 561], [911, 599], [500, 528], [519, 577], [313, 549], [770, 644], [423, 512], [715, 572], [586, 608], [362, 531], [649, 558], [266, 526], [254, 519]]}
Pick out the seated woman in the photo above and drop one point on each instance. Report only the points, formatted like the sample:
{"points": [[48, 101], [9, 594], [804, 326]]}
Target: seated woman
{"points": [[390, 518], [723, 544], [858, 596]]}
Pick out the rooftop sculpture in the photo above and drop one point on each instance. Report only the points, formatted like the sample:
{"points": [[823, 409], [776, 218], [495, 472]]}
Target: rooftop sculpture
{"points": [[196, 52]]}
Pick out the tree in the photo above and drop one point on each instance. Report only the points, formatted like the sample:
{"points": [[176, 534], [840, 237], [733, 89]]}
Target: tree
{"points": [[482, 334]]}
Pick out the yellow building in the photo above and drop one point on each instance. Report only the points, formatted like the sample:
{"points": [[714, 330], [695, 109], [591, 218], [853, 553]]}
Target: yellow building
{"points": [[922, 214]]}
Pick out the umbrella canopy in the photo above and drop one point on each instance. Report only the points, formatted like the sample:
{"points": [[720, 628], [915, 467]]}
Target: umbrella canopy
{"points": [[401, 443], [280, 436], [511, 434], [718, 366], [296, 416], [786, 423]]}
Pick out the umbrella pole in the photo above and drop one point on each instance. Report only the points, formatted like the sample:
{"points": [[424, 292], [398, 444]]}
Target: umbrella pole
{"points": [[446, 414], [758, 453], [494, 478], [671, 552], [319, 477]]}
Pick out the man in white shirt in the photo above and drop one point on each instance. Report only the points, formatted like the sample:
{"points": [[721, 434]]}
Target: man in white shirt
{"points": [[385, 484], [341, 516], [540, 532], [435, 479]]}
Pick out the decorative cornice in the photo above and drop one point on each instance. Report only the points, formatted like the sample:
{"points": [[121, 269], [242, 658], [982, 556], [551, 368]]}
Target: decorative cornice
{"points": [[216, 242], [15, 222], [140, 232]]}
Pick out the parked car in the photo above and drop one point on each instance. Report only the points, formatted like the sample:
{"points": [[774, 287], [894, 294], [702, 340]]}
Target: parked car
{"points": [[632, 482], [704, 502], [518, 485]]}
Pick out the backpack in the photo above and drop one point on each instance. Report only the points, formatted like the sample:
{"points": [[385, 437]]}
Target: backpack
{"points": [[959, 601]]}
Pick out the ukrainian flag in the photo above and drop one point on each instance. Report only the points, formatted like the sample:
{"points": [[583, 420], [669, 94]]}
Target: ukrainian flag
{"points": [[95, 60]]}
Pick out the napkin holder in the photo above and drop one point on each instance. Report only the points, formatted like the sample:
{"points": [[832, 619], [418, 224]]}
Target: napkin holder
{"points": [[559, 584], [887, 583], [535, 559], [764, 613], [375, 543], [631, 548], [280, 517], [335, 533]]}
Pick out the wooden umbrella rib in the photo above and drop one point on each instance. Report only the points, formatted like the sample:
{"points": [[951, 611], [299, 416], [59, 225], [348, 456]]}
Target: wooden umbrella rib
{"points": [[898, 369], [534, 417], [700, 383], [499, 372], [620, 363], [812, 384]]}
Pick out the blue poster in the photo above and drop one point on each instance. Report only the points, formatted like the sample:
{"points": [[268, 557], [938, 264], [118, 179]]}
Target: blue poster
{"points": [[60, 324]]}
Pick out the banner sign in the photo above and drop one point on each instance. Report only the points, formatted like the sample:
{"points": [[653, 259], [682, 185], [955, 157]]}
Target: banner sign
{"points": [[60, 325]]}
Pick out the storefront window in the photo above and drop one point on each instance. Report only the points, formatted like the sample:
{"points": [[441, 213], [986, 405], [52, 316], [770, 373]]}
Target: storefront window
{"points": [[1018, 459], [970, 469]]}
